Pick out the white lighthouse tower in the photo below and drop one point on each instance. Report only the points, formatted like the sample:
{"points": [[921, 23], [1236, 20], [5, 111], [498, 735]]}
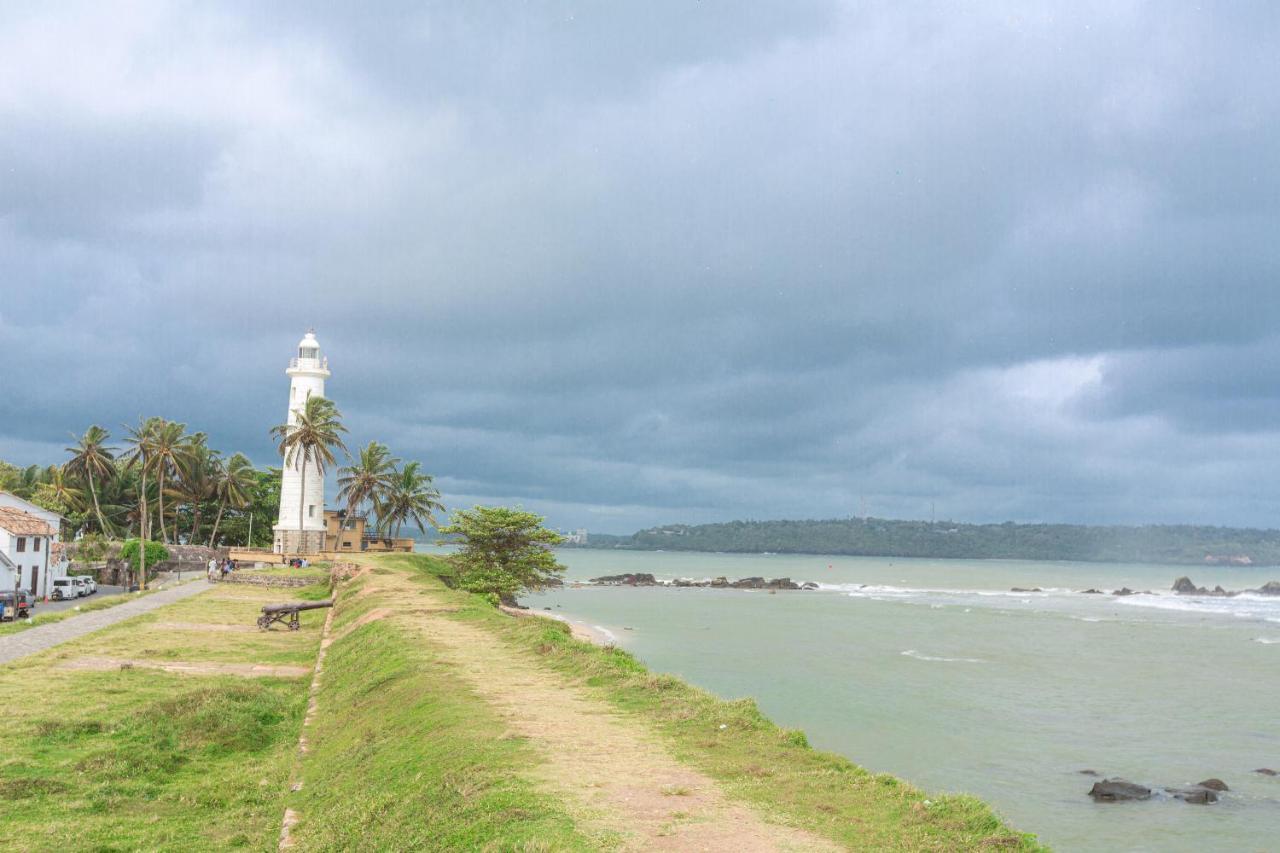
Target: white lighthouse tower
{"points": [[307, 373]]}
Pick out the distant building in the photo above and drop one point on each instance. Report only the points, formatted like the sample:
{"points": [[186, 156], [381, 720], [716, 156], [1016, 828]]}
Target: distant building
{"points": [[30, 554], [577, 537], [345, 532]]}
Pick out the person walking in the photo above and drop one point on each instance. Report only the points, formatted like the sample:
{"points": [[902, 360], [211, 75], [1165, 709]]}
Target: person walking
{"points": [[212, 572]]}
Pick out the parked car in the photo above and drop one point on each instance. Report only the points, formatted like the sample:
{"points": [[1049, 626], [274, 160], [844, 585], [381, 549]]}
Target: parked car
{"points": [[82, 585], [25, 605], [89, 582], [64, 589]]}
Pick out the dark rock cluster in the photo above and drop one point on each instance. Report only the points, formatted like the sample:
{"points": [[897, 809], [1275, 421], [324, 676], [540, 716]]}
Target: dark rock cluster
{"points": [[1185, 586], [1122, 790]]}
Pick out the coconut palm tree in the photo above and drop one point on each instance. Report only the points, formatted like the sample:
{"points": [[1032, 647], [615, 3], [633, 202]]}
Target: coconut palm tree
{"points": [[311, 440], [197, 479], [142, 441], [369, 479], [170, 449], [231, 486], [412, 497], [93, 460]]}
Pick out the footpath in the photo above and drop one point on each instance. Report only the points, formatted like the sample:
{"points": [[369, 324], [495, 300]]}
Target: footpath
{"points": [[42, 637]]}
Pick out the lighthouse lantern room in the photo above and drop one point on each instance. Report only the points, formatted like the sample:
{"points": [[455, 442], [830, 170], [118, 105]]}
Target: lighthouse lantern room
{"points": [[307, 372]]}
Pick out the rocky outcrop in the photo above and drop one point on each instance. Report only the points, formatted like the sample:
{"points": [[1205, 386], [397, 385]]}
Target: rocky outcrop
{"points": [[1267, 771], [1023, 589], [642, 579], [1196, 794], [715, 583], [1118, 791], [1122, 790], [1185, 586]]}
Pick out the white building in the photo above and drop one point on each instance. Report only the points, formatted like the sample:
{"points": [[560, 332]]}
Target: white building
{"points": [[30, 554], [307, 373]]}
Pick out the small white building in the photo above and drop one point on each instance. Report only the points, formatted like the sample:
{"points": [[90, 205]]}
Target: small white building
{"points": [[26, 551], [56, 565]]}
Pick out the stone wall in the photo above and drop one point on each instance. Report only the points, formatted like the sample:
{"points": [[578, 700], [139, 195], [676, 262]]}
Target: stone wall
{"points": [[282, 581]]}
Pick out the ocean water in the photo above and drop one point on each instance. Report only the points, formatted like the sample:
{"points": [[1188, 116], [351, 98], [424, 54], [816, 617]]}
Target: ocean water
{"points": [[934, 671]]}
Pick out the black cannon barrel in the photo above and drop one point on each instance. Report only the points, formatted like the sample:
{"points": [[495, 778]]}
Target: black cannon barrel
{"points": [[294, 606]]}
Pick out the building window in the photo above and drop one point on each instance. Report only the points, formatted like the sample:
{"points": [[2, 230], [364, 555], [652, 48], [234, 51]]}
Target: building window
{"points": [[22, 544], [311, 510], [35, 544]]}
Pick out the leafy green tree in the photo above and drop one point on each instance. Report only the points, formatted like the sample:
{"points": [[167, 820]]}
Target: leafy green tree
{"points": [[369, 480], [93, 460], [311, 440], [411, 498], [504, 551], [155, 552]]}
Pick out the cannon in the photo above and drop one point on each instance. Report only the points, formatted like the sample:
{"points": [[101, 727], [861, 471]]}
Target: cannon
{"points": [[288, 612]]}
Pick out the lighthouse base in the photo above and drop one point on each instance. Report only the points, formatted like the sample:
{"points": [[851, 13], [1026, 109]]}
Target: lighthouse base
{"points": [[293, 541]]}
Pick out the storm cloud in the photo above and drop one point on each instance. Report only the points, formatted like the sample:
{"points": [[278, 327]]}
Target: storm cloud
{"points": [[673, 261]]}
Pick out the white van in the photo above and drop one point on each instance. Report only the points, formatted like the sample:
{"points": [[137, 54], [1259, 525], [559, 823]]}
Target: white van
{"points": [[89, 582], [82, 586], [64, 589]]}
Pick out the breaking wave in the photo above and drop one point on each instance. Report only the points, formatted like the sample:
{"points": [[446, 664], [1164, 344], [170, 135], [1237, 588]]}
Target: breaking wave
{"points": [[912, 653]]}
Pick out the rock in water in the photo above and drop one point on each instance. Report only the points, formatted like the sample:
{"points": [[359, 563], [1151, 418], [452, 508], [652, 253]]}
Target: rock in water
{"points": [[1184, 586], [1269, 588], [1093, 592], [627, 580], [1118, 790], [1267, 771], [1088, 772], [1214, 784], [1124, 590], [1195, 794]]}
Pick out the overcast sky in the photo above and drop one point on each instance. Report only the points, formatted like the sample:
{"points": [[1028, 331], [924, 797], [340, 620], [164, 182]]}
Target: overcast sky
{"points": [[667, 261]]}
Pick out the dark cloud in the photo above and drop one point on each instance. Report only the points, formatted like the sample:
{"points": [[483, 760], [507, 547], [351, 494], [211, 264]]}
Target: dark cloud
{"points": [[678, 261]]}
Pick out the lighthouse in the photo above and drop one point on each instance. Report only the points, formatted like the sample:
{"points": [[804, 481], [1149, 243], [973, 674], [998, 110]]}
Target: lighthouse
{"points": [[307, 372]]}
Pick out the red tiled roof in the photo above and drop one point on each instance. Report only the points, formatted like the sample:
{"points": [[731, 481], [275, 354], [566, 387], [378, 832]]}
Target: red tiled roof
{"points": [[23, 523]]}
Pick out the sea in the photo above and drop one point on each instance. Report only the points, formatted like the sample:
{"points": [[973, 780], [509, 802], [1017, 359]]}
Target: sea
{"points": [[937, 672]]}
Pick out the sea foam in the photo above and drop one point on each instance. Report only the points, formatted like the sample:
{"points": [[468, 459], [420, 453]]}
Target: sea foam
{"points": [[912, 653]]}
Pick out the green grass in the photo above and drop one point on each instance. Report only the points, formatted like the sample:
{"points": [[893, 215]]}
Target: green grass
{"points": [[447, 776], [141, 759], [767, 766]]}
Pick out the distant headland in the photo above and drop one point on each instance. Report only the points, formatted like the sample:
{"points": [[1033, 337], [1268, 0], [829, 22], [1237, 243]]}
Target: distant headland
{"points": [[880, 537]]}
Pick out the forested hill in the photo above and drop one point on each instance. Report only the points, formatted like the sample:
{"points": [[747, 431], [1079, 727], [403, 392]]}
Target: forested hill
{"points": [[880, 537]]}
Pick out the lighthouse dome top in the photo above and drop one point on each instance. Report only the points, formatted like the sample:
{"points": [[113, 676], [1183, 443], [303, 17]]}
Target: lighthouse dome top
{"points": [[309, 360], [309, 342]]}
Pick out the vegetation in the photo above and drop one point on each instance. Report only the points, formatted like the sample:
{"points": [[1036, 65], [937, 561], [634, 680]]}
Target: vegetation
{"points": [[142, 759], [504, 552], [153, 553], [395, 496], [879, 537]]}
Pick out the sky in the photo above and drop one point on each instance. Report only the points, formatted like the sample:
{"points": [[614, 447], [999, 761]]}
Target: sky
{"points": [[634, 264]]}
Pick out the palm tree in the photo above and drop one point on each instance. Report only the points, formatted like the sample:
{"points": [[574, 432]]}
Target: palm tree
{"points": [[170, 449], [412, 497], [93, 460], [311, 440], [231, 487], [58, 491], [369, 480], [198, 473], [142, 439]]}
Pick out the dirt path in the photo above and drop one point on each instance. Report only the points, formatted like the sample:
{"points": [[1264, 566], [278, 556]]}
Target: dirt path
{"points": [[615, 774]]}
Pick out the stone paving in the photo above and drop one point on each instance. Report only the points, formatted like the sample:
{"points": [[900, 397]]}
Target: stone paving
{"points": [[43, 637]]}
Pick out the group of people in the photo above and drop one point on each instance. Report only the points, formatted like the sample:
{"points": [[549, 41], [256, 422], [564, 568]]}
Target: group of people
{"points": [[221, 568], [299, 563]]}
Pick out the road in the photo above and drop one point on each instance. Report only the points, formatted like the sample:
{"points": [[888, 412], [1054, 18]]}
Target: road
{"points": [[55, 606], [41, 637]]}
